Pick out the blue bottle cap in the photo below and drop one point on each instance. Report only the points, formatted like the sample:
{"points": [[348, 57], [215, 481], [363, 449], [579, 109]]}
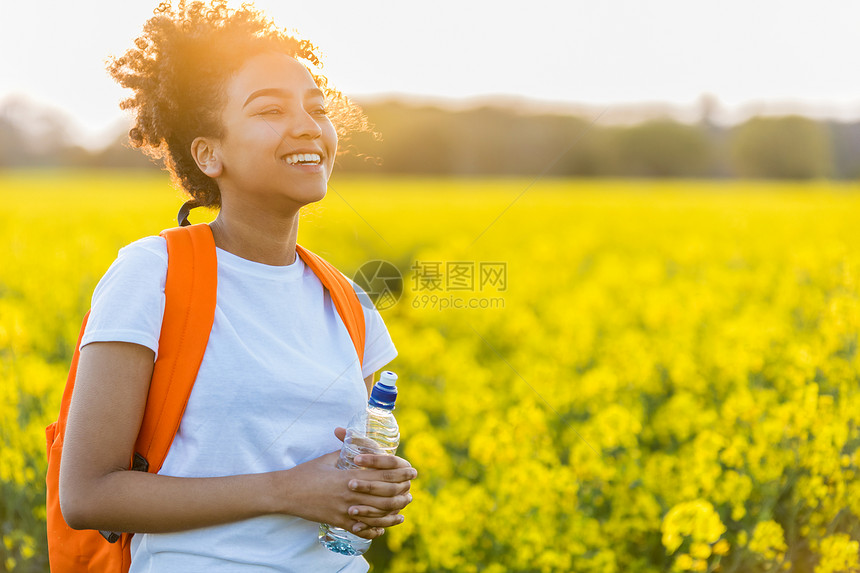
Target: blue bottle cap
{"points": [[384, 392]]}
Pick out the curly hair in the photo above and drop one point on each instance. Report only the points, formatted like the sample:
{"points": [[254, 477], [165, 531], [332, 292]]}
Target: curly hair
{"points": [[179, 69]]}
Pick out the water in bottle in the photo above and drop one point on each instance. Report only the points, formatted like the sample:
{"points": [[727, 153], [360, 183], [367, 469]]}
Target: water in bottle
{"points": [[372, 431]]}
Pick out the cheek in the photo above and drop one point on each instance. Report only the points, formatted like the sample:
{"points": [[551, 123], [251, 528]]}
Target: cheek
{"points": [[329, 135], [264, 133], [253, 131]]}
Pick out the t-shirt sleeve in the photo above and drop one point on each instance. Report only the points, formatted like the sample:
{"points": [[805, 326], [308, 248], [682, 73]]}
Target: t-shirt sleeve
{"points": [[379, 349], [128, 302]]}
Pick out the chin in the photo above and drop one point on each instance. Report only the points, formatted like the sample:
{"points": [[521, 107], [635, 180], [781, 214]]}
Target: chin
{"points": [[318, 195], [308, 195]]}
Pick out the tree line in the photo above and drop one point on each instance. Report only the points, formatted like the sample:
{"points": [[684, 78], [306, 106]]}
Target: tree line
{"points": [[502, 141]]}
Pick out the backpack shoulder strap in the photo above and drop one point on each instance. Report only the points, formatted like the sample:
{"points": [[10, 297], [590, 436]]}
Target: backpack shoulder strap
{"points": [[188, 315], [342, 294], [190, 292]]}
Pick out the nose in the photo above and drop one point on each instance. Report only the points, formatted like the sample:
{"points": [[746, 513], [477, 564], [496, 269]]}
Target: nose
{"points": [[304, 125]]}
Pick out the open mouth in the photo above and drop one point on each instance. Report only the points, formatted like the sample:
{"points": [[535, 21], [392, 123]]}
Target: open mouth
{"points": [[303, 159]]}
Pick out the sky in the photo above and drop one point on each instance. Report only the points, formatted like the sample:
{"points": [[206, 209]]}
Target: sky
{"points": [[753, 56]]}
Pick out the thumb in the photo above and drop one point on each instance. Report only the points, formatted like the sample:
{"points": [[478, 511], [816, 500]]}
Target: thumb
{"points": [[340, 433]]}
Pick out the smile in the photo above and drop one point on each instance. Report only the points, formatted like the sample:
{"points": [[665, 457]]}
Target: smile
{"points": [[303, 159]]}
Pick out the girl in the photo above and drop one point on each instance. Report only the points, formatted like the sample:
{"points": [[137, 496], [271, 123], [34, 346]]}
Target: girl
{"points": [[226, 99]]}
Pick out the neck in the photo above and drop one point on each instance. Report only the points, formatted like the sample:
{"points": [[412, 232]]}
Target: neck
{"points": [[261, 236]]}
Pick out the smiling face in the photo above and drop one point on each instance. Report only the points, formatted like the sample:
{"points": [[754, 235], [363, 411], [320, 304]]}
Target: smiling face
{"points": [[278, 145]]}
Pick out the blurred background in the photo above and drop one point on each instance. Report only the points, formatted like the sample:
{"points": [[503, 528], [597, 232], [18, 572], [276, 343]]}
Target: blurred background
{"points": [[629, 321], [662, 89]]}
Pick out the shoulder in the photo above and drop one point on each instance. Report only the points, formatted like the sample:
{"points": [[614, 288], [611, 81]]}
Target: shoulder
{"points": [[363, 297], [379, 349], [145, 257], [128, 302], [151, 248], [143, 260]]}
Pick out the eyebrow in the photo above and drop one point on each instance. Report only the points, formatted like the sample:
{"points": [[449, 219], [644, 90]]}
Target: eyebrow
{"points": [[282, 93]]}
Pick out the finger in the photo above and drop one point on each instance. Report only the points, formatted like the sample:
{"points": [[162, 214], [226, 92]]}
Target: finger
{"points": [[383, 462], [360, 512], [386, 505], [367, 531], [379, 488], [383, 521], [340, 433], [394, 476]]}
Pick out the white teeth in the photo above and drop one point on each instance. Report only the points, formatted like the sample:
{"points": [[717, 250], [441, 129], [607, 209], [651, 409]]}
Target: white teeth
{"points": [[312, 158]]}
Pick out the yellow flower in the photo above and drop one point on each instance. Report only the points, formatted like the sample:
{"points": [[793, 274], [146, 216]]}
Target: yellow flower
{"points": [[839, 554], [684, 562], [721, 547], [700, 550], [768, 540], [695, 519], [659, 363]]}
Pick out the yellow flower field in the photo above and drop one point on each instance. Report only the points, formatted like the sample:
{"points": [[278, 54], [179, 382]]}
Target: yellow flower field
{"points": [[596, 376]]}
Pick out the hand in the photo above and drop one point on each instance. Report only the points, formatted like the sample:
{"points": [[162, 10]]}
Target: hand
{"points": [[317, 491], [387, 479]]}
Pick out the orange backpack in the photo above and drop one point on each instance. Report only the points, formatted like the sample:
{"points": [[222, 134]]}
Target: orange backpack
{"points": [[189, 311]]}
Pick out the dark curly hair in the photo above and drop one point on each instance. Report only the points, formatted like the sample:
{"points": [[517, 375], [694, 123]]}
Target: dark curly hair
{"points": [[178, 71]]}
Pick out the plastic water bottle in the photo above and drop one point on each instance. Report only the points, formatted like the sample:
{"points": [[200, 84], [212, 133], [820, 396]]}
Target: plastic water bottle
{"points": [[372, 431]]}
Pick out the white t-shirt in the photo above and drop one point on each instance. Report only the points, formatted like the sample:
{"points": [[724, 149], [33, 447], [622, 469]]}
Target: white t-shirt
{"points": [[279, 374]]}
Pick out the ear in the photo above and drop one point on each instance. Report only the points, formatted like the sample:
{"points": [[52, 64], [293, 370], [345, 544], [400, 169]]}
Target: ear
{"points": [[205, 154]]}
